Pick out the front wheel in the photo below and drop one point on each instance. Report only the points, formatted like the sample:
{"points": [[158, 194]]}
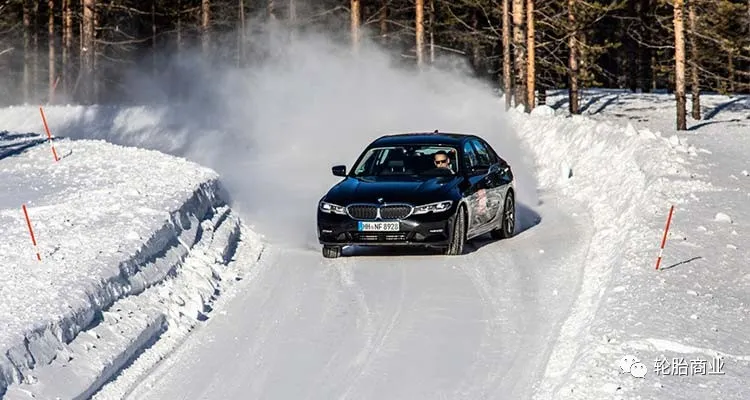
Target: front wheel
{"points": [[458, 236], [331, 251], [508, 221]]}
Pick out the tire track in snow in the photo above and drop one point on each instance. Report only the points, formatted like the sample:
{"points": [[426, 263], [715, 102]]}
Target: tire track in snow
{"points": [[383, 326], [375, 340], [346, 282], [495, 301]]}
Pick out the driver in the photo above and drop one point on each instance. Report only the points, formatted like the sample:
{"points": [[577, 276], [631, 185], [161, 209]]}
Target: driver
{"points": [[442, 160]]}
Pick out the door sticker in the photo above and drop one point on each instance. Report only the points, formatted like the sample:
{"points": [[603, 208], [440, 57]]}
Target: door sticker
{"points": [[482, 197]]}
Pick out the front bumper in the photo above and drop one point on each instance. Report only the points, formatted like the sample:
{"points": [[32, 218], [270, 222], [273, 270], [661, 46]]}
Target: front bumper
{"points": [[431, 230]]}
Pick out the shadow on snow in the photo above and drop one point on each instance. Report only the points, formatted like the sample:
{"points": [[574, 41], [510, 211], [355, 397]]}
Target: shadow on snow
{"points": [[13, 144]]}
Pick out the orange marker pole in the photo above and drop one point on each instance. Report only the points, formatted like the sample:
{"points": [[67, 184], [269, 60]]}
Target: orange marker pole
{"points": [[49, 136], [664, 239], [31, 232]]}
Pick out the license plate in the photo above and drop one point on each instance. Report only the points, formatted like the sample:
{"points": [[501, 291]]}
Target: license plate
{"points": [[378, 226]]}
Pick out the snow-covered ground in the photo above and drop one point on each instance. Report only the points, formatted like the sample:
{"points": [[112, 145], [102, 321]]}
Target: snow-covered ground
{"points": [[132, 243], [548, 314], [688, 323]]}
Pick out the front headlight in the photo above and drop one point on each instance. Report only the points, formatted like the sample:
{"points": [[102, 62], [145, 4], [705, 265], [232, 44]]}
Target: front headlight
{"points": [[440, 206], [332, 208]]}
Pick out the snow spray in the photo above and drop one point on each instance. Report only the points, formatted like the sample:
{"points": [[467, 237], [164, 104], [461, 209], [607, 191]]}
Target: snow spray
{"points": [[664, 238], [49, 136], [31, 232]]}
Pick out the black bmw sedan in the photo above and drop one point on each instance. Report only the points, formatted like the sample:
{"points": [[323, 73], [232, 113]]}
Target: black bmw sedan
{"points": [[419, 189]]}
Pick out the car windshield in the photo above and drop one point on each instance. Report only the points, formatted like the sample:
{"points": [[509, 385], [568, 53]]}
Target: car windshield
{"points": [[411, 160]]}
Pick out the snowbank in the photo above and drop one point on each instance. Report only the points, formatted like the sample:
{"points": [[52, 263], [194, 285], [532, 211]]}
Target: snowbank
{"points": [[629, 177], [689, 319], [111, 222]]}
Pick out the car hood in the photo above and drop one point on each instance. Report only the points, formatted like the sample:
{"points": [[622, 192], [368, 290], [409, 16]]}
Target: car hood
{"points": [[369, 190]]}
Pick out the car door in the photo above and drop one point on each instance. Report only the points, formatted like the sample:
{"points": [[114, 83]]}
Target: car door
{"points": [[475, 193], [490, 186]]}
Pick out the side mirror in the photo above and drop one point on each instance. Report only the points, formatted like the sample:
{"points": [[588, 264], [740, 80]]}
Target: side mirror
{"points": [[339, 170], [506, 173]]}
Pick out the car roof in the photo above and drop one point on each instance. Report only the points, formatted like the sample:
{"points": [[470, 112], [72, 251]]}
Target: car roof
{"points": [[446, 138]]}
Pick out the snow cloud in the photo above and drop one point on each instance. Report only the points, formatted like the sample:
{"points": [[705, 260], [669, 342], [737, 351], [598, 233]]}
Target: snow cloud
{"points": [[273, 129]]}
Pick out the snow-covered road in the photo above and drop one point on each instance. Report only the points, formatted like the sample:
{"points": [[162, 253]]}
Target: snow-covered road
{"points": [[547, 314], [379, 325]]}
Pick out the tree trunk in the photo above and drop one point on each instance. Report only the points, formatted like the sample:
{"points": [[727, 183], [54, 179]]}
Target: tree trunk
{"points": [[63, 41], [87, 48], [519, 53], [35, 48], [178, 90], [205, 24], [153, 38], [51, 44], [507, 78], [432, 31], [67, 45], [653, 71], [748, 34], [179, 28], [241, 34], [531, 58], [694, 78], [355, 22], [96, 77], [542, 94], [419, 23], [476, 53], [26, 52], [271, 9], [573, 59], [384, 22], [646, 72], [631, 73], [679, 56], [292, 19], [732, 71]]}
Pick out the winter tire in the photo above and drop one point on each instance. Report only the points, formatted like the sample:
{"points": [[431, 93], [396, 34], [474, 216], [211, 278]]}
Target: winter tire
{"points": [[458, 236], [331, 251]]}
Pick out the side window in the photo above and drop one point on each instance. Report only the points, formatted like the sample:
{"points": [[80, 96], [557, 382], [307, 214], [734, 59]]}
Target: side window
{"points": [[470, 157], [494, 158], [483, 155]]}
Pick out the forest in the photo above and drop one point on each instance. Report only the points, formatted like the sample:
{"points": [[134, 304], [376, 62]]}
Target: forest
{"points": [[81, 50]]}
